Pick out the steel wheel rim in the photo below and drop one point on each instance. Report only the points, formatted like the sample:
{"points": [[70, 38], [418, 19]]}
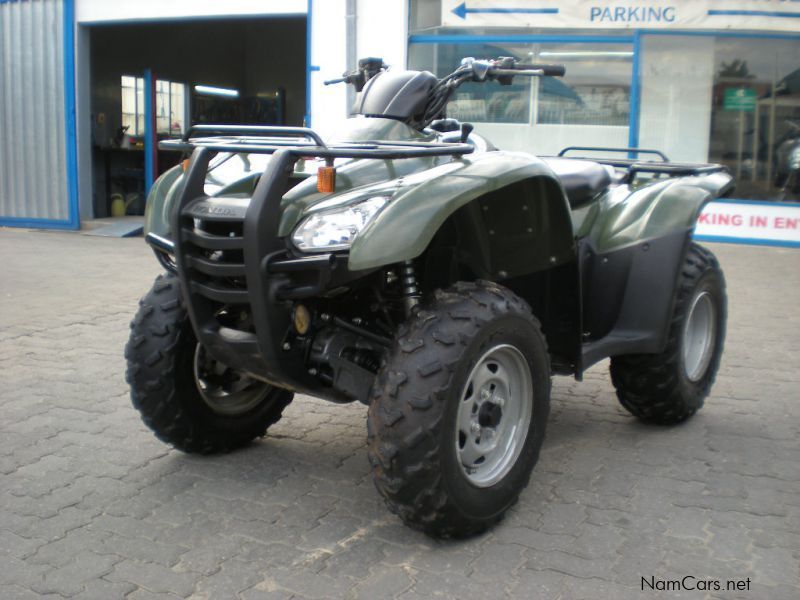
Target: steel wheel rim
{"points": [[494, 414], [225, 390], [698, 336]]}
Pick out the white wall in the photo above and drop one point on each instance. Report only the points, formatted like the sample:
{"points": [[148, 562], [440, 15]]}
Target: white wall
{"points": [[329, 53], [383, 30], [97, 11], [677, 80]]}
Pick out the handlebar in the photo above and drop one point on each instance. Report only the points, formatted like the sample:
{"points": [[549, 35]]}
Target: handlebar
{"points": [[502, 69], [545, 70]]}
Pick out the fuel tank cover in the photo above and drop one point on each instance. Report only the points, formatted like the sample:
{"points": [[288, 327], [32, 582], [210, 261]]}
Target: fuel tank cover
{"points": [[395, 94]]}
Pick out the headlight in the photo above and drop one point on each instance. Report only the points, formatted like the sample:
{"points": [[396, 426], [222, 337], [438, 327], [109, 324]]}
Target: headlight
{"points": [[336, 229]]}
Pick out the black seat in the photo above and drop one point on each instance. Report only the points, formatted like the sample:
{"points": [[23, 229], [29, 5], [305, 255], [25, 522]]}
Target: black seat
{"points": [[582, 180]]}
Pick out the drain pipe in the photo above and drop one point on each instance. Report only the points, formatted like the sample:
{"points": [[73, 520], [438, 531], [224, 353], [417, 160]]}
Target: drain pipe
{"points": [[351, 48]]}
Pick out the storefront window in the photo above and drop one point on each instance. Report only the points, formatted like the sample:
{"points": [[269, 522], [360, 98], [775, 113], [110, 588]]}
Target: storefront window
{"points": [[595, 91], [734, 101], [756, 112], [590, 104]]}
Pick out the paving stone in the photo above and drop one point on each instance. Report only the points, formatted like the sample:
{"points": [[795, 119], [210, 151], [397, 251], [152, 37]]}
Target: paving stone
{"points": [[496, 561], [153, 577], [101, 589], [386, 583], [92, 505], [232, 577], [69, 579]]}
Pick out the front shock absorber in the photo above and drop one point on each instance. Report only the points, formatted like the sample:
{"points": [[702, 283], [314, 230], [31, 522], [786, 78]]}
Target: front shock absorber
{"points": [[408, 282]]}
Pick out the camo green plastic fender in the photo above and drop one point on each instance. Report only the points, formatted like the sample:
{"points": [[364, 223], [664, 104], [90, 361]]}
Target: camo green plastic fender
{"points": [[423, 201], [653, 211], [160, 201]]}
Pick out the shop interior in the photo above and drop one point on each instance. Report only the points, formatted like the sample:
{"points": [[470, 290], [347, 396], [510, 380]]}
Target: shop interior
{"points": [[207, 71], [755, 127]]}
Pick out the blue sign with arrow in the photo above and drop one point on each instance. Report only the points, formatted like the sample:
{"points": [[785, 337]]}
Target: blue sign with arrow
{"points": [[462, 11]]}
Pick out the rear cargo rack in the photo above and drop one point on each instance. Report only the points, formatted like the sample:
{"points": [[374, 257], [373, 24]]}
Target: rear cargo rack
{"points": [[635, 166], [303, 142]]}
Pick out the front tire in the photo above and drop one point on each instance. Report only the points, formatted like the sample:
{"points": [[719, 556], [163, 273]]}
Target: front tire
{"points": [[459, 411], [670, 387], [183, 395]]}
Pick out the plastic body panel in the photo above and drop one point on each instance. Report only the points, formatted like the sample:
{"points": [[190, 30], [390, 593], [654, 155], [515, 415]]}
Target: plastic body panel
{"points": [[627, 214], [395, 94], [632, 241], [610, 265]]}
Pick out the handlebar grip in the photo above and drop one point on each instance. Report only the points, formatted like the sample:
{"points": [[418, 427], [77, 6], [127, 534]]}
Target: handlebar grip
{"points": [[339, 80], [548, 70]]}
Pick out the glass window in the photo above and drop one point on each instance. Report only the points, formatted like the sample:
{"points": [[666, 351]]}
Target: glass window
{"points": [[595, 90], [755, 110], [170, 106], [734, 101]]}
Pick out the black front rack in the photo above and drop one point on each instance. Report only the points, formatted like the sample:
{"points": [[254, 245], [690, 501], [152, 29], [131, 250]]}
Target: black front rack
{"points": [[229, 256], [634, 166], [303, 142]]}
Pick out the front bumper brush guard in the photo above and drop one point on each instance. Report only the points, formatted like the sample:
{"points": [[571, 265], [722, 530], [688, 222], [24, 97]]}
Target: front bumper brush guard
{"points": [[262, 354]]}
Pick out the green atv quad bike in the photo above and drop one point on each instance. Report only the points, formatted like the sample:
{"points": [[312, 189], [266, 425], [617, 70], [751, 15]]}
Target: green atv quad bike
{"points": [[410, 265]]}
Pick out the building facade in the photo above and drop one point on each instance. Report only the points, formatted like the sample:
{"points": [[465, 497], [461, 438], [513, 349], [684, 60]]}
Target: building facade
{"points": [[700, 80]]}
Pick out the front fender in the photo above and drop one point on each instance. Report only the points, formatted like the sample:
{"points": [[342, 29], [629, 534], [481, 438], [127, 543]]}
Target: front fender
{"points": [[424, 201], [158, 210]]}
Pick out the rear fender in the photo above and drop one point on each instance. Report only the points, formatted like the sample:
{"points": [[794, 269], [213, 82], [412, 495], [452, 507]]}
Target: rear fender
{"points": [[631, 259], [655, 210], [521, 220]]}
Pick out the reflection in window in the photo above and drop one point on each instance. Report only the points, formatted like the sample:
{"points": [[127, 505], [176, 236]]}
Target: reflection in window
{"points": [[170, 106], [485, 102], [595, 90], [491, 103], [755, 114]]}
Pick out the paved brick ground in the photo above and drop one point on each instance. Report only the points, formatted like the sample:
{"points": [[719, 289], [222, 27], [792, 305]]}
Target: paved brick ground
{"points": [[93, 506]]}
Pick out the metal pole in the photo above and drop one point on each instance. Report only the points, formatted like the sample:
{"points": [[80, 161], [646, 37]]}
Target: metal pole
{"points": [[771, 138], [756, 131], [149, 129], [740, 145]]}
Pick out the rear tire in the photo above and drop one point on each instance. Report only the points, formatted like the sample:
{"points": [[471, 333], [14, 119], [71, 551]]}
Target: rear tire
{"points": [[670, 387], [163, 360], [470, 359]]}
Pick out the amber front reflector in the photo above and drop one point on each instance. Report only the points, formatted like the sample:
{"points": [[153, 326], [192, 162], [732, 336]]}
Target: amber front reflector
{"points": [[326, 179], [302, 319], [185, 164]]}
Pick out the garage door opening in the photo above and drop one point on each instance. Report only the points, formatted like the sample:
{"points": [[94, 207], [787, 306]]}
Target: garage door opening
{"points": [[211, 71]]}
